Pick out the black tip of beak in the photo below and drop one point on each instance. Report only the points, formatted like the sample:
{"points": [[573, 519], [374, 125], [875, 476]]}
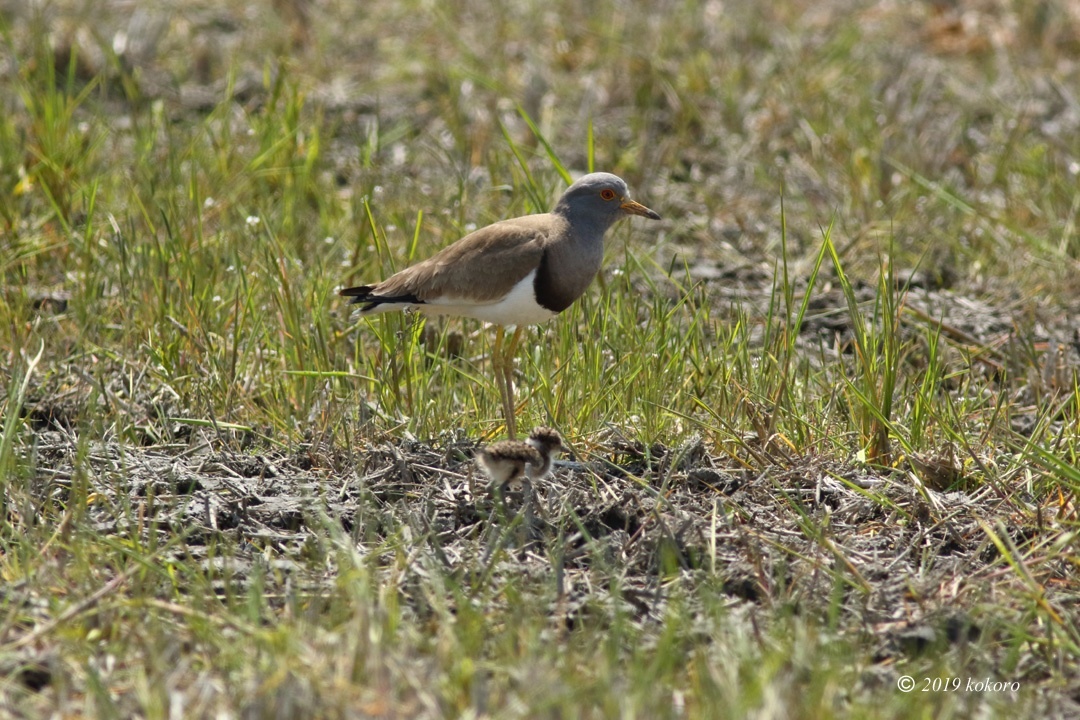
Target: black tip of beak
{"points": [[630, 207]]}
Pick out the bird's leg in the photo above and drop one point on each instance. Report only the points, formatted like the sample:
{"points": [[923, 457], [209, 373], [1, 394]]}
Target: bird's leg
{"points": [[534, 500], [498, 361], [533, 534], [509, 407]]}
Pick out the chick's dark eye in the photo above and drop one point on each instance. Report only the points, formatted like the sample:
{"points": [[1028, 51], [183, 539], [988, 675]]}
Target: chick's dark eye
{"points": [[607, 194]]}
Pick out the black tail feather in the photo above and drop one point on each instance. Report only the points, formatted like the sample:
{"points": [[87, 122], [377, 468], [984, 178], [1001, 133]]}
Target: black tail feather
{"points": [[363, 294], [358, 293]]}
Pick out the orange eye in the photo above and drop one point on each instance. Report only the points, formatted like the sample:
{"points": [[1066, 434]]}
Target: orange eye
{"points": [[607, 194]]}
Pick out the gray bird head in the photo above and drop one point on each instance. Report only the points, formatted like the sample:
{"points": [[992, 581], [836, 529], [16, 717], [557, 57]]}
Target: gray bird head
{"points": [[600, 199]]}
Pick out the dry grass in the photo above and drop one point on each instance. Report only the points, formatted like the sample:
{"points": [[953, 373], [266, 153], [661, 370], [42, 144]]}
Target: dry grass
{"points": [[824, 418]]}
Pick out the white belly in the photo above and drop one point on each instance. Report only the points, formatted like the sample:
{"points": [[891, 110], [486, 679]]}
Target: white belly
{"points": [[518, 307]]}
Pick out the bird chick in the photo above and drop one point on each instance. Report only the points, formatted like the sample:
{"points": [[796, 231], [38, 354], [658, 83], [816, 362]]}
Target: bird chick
{"points": [[509, 462], [504, 462]]}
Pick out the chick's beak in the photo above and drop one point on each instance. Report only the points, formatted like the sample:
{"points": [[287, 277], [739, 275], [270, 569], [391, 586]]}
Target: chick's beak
{"points": [[635, 208]]}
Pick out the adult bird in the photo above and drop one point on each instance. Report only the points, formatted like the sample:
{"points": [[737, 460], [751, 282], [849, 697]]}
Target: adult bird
{"points": [[513, 273]]}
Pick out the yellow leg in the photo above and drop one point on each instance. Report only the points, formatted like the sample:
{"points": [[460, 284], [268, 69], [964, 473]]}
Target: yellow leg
{"points": [[499, 365], [502, 358], [515, 340], [508, 368]]}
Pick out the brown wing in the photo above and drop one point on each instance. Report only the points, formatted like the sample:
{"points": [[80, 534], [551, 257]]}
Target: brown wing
{"points": [[482, 266]]}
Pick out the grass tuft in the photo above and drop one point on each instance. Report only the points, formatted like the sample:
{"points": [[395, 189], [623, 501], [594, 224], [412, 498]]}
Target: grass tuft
{"points": [[824, 417]]}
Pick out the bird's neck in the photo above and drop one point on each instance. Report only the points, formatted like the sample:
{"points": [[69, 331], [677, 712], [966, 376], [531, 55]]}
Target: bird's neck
{"points": [[584, 224]]}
